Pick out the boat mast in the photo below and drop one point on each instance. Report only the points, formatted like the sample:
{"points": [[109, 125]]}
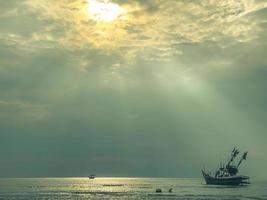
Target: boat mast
{"points": [[244, 157], [234, 153]]}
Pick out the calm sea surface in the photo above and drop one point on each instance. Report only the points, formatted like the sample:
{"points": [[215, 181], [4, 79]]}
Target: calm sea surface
{"points": [[124, 188]]}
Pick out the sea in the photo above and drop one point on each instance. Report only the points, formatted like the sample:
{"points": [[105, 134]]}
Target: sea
{"points": [[125, 188]]}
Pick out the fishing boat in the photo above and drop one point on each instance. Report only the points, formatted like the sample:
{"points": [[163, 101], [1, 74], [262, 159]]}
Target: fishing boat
{"points": [[228, 174], [92, 176]]}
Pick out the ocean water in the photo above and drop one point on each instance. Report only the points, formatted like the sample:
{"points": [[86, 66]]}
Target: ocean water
{"points": [[125, 188]]}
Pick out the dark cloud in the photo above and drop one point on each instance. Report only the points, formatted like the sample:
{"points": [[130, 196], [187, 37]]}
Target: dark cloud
{"points": [[148, 5]]}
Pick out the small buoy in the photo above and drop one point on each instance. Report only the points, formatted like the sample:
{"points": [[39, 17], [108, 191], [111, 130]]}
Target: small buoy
{"points": [[170, 190], [158, 190]]}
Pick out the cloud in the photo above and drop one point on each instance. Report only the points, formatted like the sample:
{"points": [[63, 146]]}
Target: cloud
{"points": [[13, 112], [150, 25], [150, 29], [153, 30]]}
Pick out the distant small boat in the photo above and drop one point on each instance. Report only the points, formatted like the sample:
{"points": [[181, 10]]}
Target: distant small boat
{"points": [[227, 174], [92, 176]]}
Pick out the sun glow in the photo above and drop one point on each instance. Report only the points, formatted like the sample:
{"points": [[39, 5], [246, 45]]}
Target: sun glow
{"points": [[103, 10]]}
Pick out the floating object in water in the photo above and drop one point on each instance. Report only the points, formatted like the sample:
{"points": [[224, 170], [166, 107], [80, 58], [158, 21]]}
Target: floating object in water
{"points": [[170, 190], [158, 190], [227, 174]]}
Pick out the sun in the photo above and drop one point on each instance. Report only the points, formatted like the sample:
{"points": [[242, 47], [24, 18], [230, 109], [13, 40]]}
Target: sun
{"points": [[103, 10]]}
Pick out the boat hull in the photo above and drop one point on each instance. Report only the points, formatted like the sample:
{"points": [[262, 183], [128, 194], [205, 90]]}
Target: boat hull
{"points": [[91, 176], [231, 180]]}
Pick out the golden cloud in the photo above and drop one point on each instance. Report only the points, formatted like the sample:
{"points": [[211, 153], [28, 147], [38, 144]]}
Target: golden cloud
{"points": [[172, 23]]}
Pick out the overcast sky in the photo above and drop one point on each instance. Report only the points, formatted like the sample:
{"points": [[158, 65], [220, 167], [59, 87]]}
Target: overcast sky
{"points": [[156, 88]]}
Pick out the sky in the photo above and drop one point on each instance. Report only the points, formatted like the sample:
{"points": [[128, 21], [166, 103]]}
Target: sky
{"points": [[131, 88]]}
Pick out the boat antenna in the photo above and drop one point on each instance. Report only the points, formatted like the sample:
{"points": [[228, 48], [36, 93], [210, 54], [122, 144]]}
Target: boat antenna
{"points": [[244, 157]]}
